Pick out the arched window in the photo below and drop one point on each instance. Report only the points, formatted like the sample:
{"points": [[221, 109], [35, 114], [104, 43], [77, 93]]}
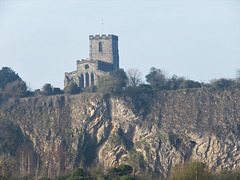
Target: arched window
{"points": [[100, 47], [92, 79], [87, 79], [81, 81]]}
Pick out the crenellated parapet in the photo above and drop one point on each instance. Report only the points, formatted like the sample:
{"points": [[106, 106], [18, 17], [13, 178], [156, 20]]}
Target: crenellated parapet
{"points": [[103, 58], [103, 36]]}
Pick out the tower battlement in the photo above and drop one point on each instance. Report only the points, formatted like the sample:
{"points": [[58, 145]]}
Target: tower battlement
{"points": [[104, 48], [103, 36], [103, 58]]}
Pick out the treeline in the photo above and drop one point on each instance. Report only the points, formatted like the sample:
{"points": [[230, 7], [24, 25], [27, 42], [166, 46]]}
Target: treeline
{"points": [[116, 83], [187, 171], [11, 85]]}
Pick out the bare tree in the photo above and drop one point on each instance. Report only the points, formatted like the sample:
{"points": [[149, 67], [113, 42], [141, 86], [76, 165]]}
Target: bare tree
{"points": [[238, 75], [134, 77]]}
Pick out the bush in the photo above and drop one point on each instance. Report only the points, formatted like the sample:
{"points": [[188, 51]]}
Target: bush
{"points": [[189, 84], [15, 89], [11, 85], [71, 88], [7, 75], [47, 90], [221, 84], [57, 91], [123, 172], [156, 78], [77, 174], [113, 83], [190, 171]]}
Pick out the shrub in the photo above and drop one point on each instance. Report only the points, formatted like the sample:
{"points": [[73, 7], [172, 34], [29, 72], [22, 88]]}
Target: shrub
{"points": [[7, 75], [189, 171], [71, 88], [113, 83], [222, 84], [47, 90], [15, 89]]}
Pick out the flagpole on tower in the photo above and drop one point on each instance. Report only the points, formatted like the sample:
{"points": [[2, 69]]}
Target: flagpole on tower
{"points": [[102, 26]]}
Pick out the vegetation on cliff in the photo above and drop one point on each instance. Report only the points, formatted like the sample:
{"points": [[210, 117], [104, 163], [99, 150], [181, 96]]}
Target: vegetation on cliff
{"points": [[11, 85], [151, 127], [116, 83]]}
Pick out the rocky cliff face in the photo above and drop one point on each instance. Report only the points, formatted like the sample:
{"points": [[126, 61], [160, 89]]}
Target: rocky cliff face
{"points": [[50, 136]]}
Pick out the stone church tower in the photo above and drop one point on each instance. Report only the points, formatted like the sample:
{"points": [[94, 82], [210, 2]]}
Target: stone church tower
{"points": [[103, 59]]}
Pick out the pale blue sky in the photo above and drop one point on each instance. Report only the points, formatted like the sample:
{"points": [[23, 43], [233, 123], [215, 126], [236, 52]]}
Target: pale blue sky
{"points": [[197, 39]]}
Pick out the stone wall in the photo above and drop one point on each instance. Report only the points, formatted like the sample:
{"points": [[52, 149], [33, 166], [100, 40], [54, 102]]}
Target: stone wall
{"points": [[109, 52], [86, 75], [104, 58]]}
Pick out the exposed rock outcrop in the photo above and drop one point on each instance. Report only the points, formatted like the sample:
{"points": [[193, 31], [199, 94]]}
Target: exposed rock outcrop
{"points": [[53, 135]]}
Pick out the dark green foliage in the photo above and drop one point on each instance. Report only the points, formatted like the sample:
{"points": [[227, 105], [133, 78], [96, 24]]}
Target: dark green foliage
{"points": [[197, 170], [15, 89], [190, 171], [174, 82], [156, 78], [113, 83], [137, 159], [71, 88], [141, 97], [44, 178], [98, 172], [122, 172], [158, 81], [78, 172], [11, 85], [47, 90], [221, 84], [227, 175], [125, 169], [189, 84], [87, 150], [126, 177], [57, 91], [7, 75], [10, 137]]}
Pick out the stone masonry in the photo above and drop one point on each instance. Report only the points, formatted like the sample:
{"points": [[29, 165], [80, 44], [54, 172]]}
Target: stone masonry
{"points": [[103, 59]]}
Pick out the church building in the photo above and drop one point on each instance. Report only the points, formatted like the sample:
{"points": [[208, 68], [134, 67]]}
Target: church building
{"points": [[103, 58]]}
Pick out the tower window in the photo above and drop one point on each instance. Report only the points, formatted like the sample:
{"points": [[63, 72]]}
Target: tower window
{"points": [[86, 66], [100, 47]]}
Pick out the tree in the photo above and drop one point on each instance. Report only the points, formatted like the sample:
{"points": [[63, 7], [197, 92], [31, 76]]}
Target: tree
{"points": [[156, 78], [7, 75], [238, 76], [11, 85], [237, 80], [15, 89], [71, 88], [113, 83], [190, 84], [221, 84], [47, 89], [174, 82], [123, 172], [189, 171], [77, 174], [57, 91], [134, 77]]}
